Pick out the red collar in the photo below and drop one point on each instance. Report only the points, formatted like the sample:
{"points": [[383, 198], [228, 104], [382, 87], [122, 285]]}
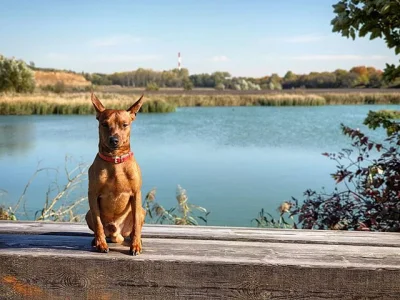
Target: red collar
{"points": [[116, 159]]}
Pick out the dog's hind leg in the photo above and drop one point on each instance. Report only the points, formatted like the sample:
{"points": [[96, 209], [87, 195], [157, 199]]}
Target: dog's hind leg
{"points": [[89, 221], [138, 221]]}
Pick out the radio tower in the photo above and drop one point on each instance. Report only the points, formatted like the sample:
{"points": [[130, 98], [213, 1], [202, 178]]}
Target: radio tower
{"points": [[179, 61]]}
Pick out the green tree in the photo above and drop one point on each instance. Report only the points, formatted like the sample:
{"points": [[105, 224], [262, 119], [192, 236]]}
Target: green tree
{"points": [[363, 74], [289, 76], [220, 77], [378, 18], [152, 86], [220, 87], [274, 82], [15, 76], [100, 79], [375, 77], [187, 84]]}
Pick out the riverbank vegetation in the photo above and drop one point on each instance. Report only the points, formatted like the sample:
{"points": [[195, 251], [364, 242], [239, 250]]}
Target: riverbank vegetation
{"points": [[367, 179], [44, 103], [184, 213], [61, 201], [367, 193], [64, 202]]}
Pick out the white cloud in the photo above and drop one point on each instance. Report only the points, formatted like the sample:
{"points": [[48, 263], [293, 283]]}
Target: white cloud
{"points": [[116, 40], [377, 57], [122, 58], [338, 57], [297, 39], [219, 58]]}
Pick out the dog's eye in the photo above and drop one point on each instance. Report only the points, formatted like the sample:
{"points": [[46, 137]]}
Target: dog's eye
{"points": [[125, 125], [105, 125]]}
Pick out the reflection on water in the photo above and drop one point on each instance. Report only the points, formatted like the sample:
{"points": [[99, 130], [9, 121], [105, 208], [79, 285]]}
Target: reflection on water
{"points": [[16, 138], [231, 161]]}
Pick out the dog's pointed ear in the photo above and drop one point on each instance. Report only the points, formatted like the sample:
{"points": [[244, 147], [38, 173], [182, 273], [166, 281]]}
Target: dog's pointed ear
{"points": [[98, 106], [133, 110]]}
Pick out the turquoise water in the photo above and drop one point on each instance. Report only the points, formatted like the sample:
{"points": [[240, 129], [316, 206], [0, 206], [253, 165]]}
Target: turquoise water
{"points": [[232, 161]]}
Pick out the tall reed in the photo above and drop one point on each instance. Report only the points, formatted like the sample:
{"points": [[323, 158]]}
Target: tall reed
{"points": [[73, 103], [79, 103]]}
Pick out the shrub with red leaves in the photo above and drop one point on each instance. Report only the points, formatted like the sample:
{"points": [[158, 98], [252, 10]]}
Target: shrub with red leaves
{"points": [[369, 197]]}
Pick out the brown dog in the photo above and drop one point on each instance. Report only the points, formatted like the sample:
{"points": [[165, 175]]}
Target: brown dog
{"points": [[115, 181]]}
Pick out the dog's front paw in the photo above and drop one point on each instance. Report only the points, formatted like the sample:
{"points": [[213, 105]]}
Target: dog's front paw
{"points": [[136, 247], [101, 245]]}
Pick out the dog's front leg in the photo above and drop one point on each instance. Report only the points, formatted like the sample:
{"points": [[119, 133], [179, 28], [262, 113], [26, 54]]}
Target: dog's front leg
{"points": [[99, 236], [137, 214]]}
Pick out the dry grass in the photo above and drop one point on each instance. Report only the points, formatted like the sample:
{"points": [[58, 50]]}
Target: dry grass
{"points": [[79, 103], [362, 98], [243, 100], [184, 213], [51, 78], [71, 103], [58, 205], [279, 99]]}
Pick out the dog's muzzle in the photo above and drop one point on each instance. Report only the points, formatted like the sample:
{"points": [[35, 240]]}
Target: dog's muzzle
{"points": [[113, 141]]}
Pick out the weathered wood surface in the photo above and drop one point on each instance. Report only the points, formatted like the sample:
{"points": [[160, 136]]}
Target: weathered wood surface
{"points": [[332, 237], [56, 261]]}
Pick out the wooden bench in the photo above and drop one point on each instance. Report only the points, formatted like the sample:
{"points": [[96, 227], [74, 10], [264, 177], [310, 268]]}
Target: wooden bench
{"points": [[56, 261]]}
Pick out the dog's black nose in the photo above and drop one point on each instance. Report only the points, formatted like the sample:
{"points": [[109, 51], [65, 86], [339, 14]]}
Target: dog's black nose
{"points": [[113, 141]]}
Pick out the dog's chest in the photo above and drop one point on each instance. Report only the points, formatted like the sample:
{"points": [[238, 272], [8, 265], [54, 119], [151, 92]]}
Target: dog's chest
{"points": [[115, 203], [117, 181], [117, 189], [115, 185]]}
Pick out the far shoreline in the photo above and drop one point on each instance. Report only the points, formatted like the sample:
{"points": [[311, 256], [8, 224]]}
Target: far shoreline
{"points": [[167, 100]]}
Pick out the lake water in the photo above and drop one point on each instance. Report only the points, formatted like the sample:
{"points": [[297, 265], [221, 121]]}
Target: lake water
{"points": [[232, 161]]}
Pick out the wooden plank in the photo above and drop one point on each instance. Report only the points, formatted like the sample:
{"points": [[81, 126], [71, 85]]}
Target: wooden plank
{"points": [[329, 237], [65, 267], [40, 260], [202, 251]]}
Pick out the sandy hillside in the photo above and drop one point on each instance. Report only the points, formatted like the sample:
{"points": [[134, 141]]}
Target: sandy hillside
{"points": [[51, 78]]}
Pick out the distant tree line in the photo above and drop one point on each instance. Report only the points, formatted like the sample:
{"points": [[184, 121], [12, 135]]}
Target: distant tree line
{"points": [[16, 76], [359, 76], [141, 78], [356, 77]]}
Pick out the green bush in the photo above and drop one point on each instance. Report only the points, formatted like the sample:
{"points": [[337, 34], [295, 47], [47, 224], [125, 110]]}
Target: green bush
{"points": [[220, 87], [15, 76], [157, 106], [187, 84], [152, 86], [59, 87], [368, 196]]}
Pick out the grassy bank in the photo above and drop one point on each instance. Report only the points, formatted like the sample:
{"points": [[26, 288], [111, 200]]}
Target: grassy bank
{"points": [[79, 103], [73, 103]]}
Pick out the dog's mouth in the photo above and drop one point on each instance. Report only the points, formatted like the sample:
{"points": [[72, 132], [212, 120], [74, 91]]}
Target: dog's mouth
{"points": [[113, 147]]}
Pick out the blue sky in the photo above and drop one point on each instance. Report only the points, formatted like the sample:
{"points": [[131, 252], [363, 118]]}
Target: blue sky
{"points": [[245, 38]]}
